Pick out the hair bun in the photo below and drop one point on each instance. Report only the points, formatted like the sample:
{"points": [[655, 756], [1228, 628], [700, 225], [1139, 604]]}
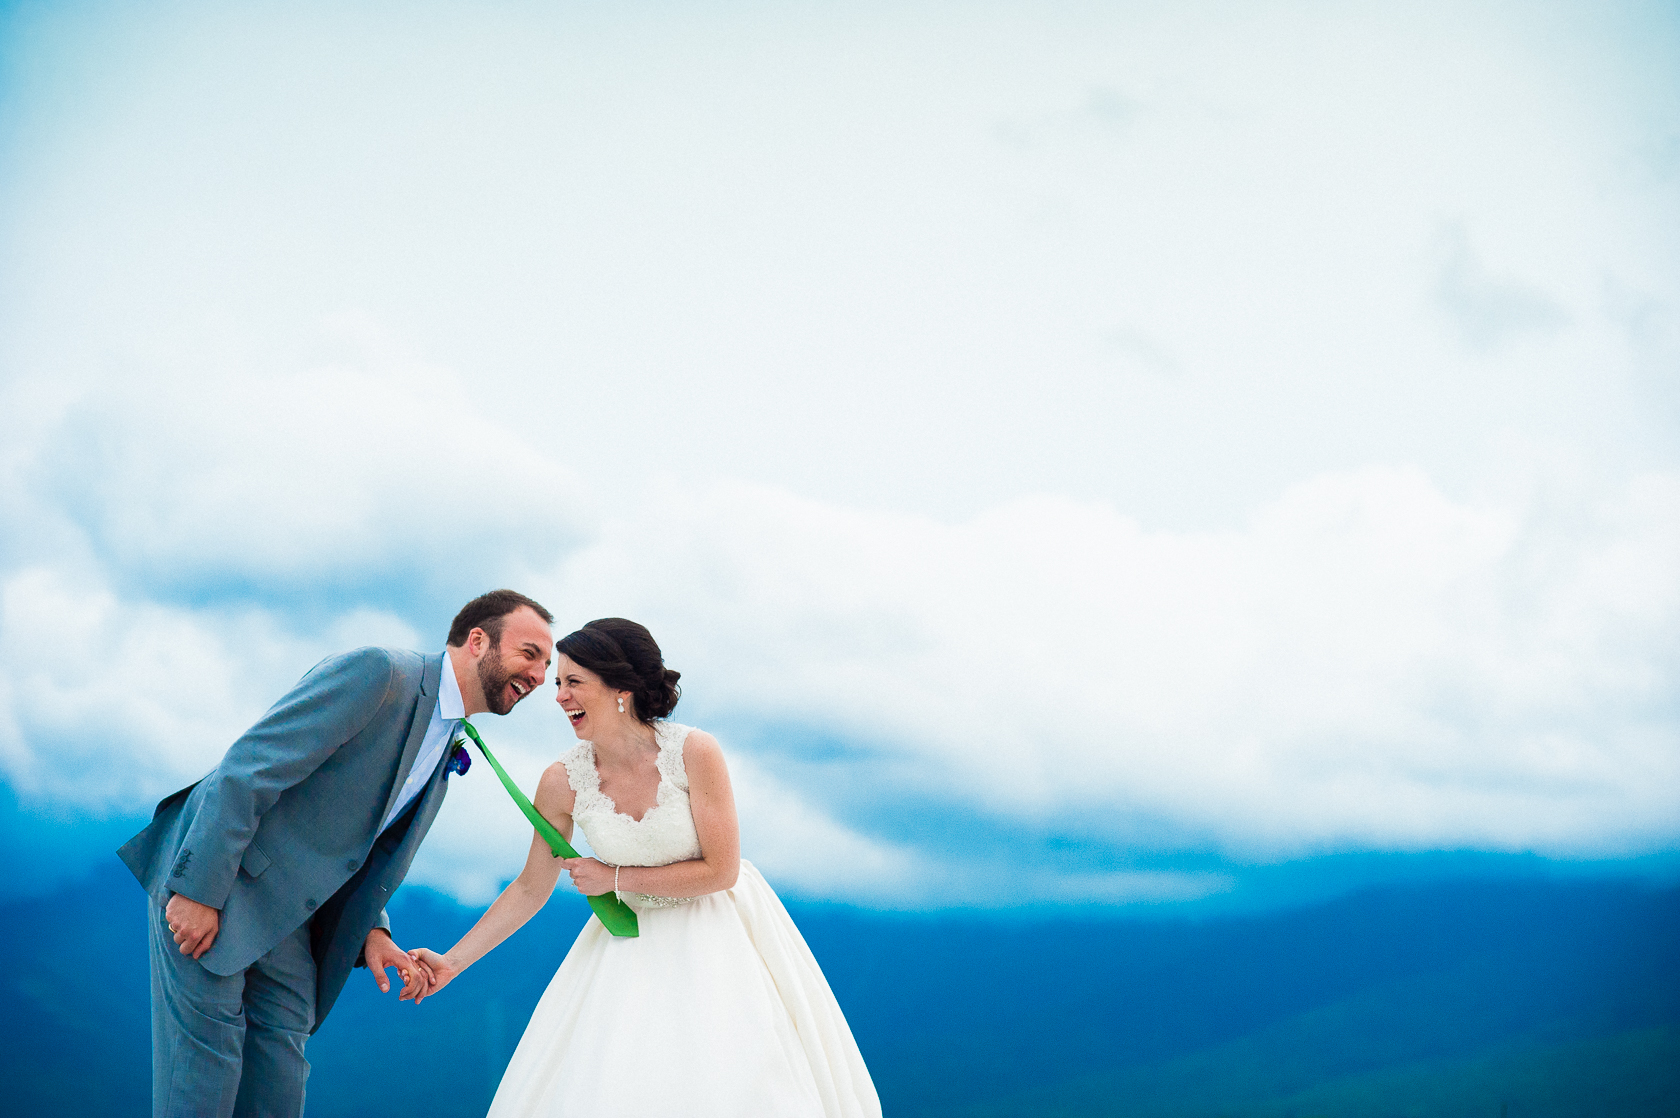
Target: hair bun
{"points": [[663, 696]]}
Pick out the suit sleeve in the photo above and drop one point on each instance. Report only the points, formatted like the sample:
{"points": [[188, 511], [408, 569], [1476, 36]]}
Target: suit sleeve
{"points": [[328, 707]]}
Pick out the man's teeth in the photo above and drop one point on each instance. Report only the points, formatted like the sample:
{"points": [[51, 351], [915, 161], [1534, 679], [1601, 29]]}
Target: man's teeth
{"points": [[518, 688]]}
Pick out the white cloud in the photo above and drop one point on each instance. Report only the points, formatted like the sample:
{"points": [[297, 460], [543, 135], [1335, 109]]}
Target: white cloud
{"points": [[338, 478], [1366, 663], [1075, 430], [109, 703]]}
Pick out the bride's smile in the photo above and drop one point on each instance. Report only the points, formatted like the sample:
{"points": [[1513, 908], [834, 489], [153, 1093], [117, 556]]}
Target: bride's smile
{"points": [[595, 710], [568, 681]]}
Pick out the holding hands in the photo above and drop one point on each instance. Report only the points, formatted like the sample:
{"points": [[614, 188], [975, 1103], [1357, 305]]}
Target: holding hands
{"points": [[442, 969], [380, 951]]}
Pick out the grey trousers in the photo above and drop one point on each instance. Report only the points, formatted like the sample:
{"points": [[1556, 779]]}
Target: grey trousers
{"points": [[230, 1047]]}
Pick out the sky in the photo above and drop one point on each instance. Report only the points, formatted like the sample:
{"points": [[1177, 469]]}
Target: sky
{"points": [[1074, 452]]}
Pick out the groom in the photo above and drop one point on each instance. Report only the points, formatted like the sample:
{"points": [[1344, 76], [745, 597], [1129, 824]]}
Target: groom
{"points": [[268, 878]]}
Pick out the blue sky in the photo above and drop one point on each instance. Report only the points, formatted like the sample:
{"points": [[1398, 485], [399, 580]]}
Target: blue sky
{"points": [[1077, 452]]}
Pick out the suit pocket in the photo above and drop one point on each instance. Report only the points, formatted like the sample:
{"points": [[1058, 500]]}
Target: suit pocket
{"points": [[255, 861]]}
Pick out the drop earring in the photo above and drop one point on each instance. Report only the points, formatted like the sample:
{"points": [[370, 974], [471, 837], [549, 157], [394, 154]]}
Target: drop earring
{"points": [[621, 704]]}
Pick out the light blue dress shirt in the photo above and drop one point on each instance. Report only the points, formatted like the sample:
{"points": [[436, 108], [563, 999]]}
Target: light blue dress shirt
{"points": [[446, 720]]}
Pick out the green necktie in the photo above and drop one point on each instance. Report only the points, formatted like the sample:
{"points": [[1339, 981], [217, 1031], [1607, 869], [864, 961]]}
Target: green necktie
{"points": [[616, 916]]}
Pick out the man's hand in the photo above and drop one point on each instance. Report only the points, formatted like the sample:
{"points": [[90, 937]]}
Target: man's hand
{"points": [[443, 971], [379, 952], [195, 925]]}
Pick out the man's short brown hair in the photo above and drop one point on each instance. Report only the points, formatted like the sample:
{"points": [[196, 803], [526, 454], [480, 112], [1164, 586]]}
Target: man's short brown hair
{"points": [[487, 612]]}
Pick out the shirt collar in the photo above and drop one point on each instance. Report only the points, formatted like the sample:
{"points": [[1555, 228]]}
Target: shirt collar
{"points": [[450, 704]]}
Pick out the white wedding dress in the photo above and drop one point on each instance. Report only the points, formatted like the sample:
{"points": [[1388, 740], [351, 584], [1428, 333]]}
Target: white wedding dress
{"points": [[717, 1009]]}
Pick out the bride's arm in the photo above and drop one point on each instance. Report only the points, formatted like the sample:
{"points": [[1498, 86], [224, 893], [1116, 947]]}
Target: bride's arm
{"points": [[713, 804], [524, 895]]}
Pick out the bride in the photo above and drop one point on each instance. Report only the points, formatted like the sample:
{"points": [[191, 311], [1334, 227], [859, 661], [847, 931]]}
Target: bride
{"points": [[717, 1007]]}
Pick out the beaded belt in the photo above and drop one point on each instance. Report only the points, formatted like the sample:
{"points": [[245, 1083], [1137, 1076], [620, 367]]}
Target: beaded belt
{"points": [[655, 902]]}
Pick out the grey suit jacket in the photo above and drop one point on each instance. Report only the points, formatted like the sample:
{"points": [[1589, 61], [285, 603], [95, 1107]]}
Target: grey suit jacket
{"points": [[286, 829]]}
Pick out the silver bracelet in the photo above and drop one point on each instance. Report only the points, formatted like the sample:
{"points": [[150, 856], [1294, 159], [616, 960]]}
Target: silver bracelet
{"points": [[615, 882]]}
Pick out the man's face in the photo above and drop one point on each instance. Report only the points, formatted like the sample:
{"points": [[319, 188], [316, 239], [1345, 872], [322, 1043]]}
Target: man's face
{"points": [[517, 666]]}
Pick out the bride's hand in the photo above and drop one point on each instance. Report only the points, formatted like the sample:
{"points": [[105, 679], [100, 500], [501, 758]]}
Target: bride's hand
{"points": [[591, 877], [442, 969]]}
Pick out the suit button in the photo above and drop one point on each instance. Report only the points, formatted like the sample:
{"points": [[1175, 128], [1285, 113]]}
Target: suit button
{"points": [[309, 904], [352, 864]]}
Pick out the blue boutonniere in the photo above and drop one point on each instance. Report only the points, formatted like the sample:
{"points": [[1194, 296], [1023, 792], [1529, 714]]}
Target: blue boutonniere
{"points": [[459, 760]]}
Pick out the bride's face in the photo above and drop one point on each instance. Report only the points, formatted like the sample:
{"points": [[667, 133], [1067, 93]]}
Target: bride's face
{"points": [[585, 699]]}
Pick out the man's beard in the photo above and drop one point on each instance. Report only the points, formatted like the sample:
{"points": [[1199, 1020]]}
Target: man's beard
{"points": [[493, 679]]}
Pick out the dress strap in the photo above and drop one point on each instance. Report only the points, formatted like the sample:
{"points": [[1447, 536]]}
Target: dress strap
{"points": [[671, 736], [581, 773]]}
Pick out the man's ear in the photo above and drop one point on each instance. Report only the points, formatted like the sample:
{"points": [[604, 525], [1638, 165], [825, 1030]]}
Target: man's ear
{"points": [[477, 641]]}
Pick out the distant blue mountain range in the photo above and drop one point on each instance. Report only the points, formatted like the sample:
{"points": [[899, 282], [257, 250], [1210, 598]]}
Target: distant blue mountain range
{"points": [[1523, 997]]}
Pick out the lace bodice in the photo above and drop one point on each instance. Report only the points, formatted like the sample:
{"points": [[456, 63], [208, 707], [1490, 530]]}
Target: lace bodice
{"points": [[663, 835]]}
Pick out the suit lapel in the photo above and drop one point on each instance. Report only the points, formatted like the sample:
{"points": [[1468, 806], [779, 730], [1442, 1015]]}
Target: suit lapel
{"points": [[425, 703]]}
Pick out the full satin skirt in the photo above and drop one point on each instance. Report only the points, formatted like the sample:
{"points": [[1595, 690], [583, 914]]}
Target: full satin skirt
{"points": [[716, 1010]]}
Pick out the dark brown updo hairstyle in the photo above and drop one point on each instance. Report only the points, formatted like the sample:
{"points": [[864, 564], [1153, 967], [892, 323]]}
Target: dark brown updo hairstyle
{"points": [[626, 658]]}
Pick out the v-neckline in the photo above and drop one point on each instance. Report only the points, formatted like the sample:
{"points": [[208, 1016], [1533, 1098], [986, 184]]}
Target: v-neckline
{"points": [[658, 802]]}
